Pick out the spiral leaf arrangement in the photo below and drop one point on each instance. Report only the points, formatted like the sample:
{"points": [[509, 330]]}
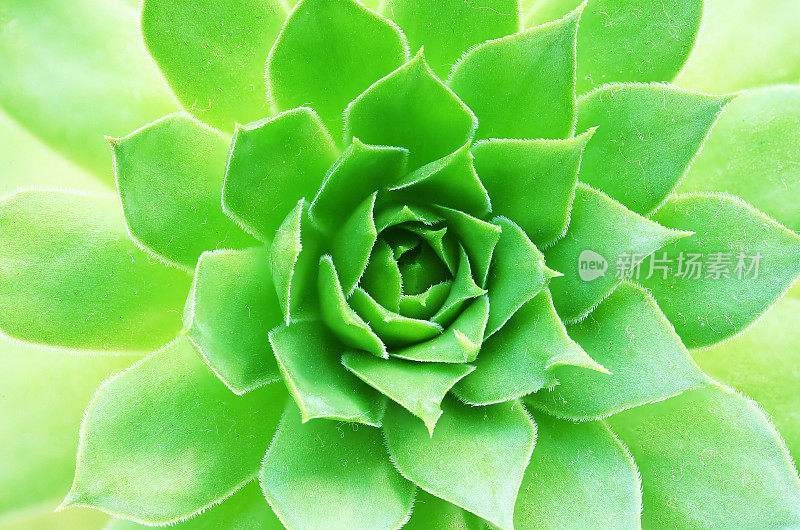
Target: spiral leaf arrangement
{"points": [[383, 283]]}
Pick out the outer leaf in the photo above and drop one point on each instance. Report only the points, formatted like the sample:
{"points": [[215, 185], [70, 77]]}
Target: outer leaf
{"points": [[366, 491], [630, 337], [517, 274], [646, 140], [328, 52], [532, 181], [47, 519], [411, 108], [710, 458], [273, 164], [760, 36], [433, 512], [75, 71], [213, 54], [519, 358], [448, 29], [180, 162], [754, 153], [43, 397], [70, 277], [727, 296], [523, 85], [418, 387], [763, 364], [229, 316], [598, 482], [309, 358], [184, 443], [604, 233], [488, 450], [245, 509]]}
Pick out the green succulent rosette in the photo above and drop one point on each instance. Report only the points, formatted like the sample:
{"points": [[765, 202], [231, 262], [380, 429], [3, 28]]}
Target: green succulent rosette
{"points": [[431, 289]]}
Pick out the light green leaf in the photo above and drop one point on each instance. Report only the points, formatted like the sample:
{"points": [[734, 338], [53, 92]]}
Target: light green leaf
{"points": [[360, 171], [762, 363], [602, 246], [75, 71], [394, 214], [352, 244], [382, 278], [532, 181], [46, 519], [213, 54], [646, 139], [43, 396], [337, 314], [760, 36], [328, 52], [459, 343], [426, 304], [710, 458], [629, 336], [418, 387], [450, 181], [366, 491], [272, 164], [448, 29], [518, 273], [487, 448], [754, 153], [462, 289], [245, 509], [519, 358], [393, 329], [445, 247], [411, 108], [598, 483], [70, 277], [229, 316], [477, 236], [523, 85], [309, 358], [184, 443], [169, 177], [433, 512], [743, 263]]}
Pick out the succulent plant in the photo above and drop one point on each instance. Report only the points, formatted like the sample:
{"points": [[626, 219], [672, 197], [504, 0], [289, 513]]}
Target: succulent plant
{"points": [[408, 278]]}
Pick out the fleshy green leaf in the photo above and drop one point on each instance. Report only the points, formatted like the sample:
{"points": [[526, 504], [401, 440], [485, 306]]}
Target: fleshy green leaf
{"points": [[232, 309], [352, 244], [75, 71], [754, 153], [486, 448], [411, 108], [213, 53], [382, 278], [761, 36], [166, 439], [597, 481], [523, 85], [324, 474], [462, 289], [532, 181], [425, 304], [309, 357], [646, 139], [632, 339], [710, 458], [433, 512], [337, 314], [395, 214], [450, 181], [712, 285], [448, 29], [328, 52], [358, 173], [246, 508], [518, 273], [444, 246], [274, 163], [418, 387], [393, 329], [181, 162], [459, 343], [478, 238], [43, 396], [602, 246], [44, 518], [519, 358], [70, 277]]}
